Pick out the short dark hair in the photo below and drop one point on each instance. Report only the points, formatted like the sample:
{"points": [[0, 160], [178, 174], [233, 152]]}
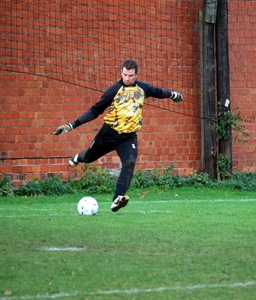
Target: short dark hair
{"points": [[130, 64]]}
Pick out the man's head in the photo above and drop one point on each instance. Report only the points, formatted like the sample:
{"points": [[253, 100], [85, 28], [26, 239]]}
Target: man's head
{"points": [[129, 72]]}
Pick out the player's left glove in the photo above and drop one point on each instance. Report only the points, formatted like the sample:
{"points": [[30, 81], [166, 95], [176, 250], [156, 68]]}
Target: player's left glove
{"points": [[176, 97], [63, 129]]}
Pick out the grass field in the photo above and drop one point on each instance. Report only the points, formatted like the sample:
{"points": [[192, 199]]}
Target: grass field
{"points": [[180, 244]]}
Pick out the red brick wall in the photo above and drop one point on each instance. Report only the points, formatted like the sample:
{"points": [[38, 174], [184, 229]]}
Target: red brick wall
{"points": [[242, 47], [33, 106]]}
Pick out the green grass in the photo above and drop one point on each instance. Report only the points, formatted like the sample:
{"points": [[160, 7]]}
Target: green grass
{"points": [[180, 244]]}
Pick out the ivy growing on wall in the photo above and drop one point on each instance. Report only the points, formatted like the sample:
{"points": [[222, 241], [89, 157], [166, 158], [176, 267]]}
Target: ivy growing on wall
{"points": [[230, 125]]}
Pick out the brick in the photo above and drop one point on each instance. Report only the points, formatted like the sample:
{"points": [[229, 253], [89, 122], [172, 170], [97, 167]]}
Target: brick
{"points": [[33, 106]]}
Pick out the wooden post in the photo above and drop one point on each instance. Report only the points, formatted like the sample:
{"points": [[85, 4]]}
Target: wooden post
{"points": [[223, 76], [209, 159]]}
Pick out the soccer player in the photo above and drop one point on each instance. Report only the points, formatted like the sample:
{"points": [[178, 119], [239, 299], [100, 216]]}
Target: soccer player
{"points": [[124, 101]]}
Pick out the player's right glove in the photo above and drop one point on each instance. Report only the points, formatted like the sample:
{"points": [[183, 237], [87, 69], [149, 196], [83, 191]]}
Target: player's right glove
{"points": [[176, 97], [63, 129]]}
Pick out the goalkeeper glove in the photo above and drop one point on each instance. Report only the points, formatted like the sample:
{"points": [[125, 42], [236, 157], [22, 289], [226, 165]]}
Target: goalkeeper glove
{"points": [[176, 97], [63, 129]]}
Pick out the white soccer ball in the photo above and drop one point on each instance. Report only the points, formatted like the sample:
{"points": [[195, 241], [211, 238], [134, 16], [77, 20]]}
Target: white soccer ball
{"points": [[87, 206]]}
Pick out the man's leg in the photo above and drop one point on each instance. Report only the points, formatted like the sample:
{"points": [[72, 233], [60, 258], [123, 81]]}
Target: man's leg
{"points": [[98, 148], [128, 152]]}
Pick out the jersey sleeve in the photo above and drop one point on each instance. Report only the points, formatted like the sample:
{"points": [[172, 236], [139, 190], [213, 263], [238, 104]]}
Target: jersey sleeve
{"points": [[106, 99], [99, 107], [151, 91], [87, 116]]}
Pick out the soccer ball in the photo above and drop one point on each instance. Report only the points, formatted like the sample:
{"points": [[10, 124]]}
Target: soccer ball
{"points": [[87, 206]]}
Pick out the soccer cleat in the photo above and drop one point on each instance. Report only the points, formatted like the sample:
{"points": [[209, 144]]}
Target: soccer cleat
{"points": [[119, 202], [73, 161]]}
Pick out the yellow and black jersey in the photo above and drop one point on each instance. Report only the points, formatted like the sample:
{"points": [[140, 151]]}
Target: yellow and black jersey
{"points": [[124, 105], [125, 111]]}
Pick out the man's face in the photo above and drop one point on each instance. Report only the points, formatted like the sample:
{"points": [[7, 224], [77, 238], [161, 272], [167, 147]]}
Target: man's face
{"points": [[128, 76]]}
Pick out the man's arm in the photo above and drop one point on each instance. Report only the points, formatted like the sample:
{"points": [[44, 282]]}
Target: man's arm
{"points": [[159, 93], [92, 113]]}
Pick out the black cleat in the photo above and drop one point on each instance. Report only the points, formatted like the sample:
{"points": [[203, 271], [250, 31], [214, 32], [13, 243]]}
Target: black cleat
{"points": [[119, 202]]}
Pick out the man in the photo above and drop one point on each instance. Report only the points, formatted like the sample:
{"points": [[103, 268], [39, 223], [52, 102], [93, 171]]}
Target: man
{"points": [[124, 101]]}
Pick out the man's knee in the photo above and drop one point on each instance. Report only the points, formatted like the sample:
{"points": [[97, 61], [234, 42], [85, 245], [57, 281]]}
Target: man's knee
{"points": [[130, 162], [83, 157]]}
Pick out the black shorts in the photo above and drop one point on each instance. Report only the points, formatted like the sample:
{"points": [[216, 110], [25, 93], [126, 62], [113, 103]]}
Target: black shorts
{"points": [[107, 140]]}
